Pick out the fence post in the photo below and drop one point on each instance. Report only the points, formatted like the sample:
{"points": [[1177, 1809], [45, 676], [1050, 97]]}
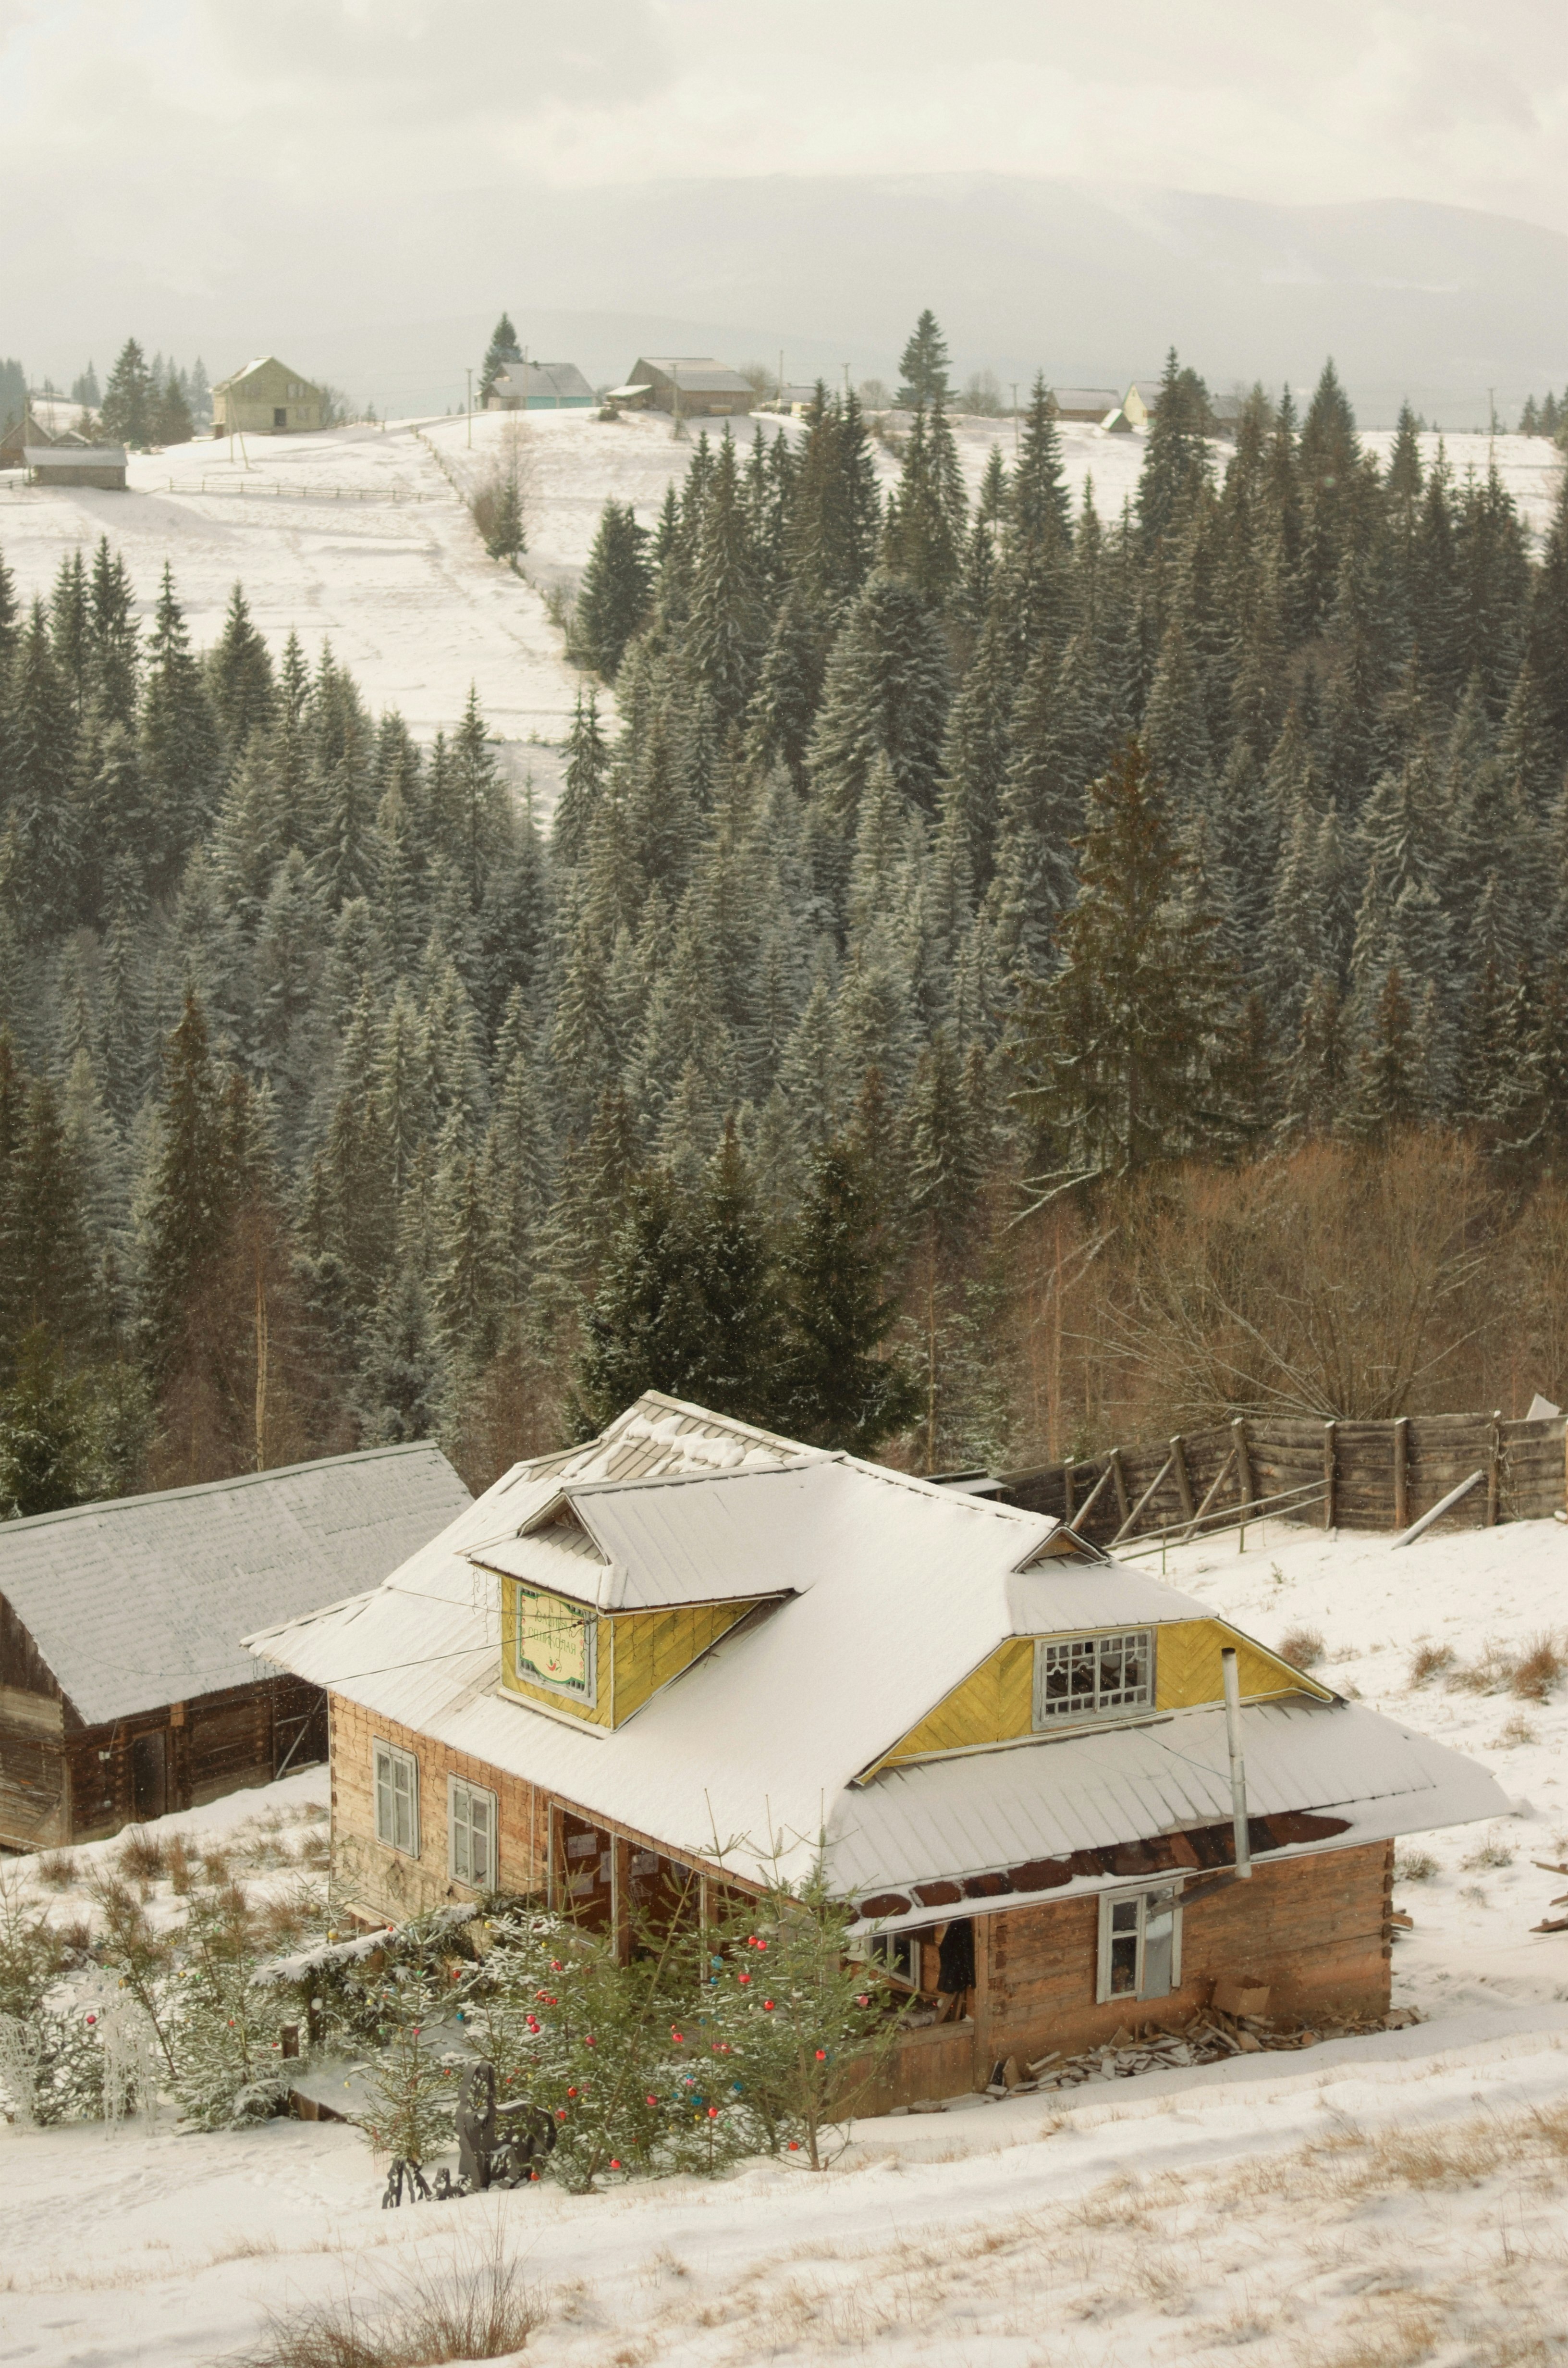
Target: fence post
{"points": [[1493, 1468], [1328, 1475], [1243, 1457], [1184, 1486], [1118, 1479], [1401, 1473]]}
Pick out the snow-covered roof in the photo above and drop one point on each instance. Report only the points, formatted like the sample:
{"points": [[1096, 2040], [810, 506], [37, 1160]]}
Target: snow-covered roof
{"points": [[144, 1599], [1096, 399], [562, 382], [943, 1820], [74, 455], [262, 361], [894, 1591]]}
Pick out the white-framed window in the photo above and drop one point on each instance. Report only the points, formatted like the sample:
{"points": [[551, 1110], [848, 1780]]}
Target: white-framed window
{"points": [[471, 1820], [557, 1644], [1093, 1677], [1140, 1951], [397, 1798]]}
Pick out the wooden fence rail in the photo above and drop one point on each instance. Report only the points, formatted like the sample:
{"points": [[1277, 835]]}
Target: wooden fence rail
{"points": [[1358, 1475]]}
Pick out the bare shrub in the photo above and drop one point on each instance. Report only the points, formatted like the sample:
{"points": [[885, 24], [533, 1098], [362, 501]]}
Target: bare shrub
{"points": [[143, 1855], [1492, 1673], [183, 1866], [1415, 1866], [1516, 1730], [1538, 1670], [1430, 1661], [475, 2309], [1302, 1647], [59, 1870], [502, 495], [1487, 1853]]}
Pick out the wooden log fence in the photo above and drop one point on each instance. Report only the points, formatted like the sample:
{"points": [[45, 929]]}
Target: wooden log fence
{"points": [[1357, 1475]]}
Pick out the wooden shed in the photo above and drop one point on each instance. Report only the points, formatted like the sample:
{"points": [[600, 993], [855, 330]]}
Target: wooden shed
{"points": [[72, 462], [541, 386], [1088, 405], [124, 1689], [690, 1653]]}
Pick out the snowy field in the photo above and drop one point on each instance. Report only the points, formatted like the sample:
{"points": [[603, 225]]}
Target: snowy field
{"points": [[360, 536], [1366, 2204]]}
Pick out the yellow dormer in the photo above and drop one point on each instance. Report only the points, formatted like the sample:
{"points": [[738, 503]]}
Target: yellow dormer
{"points": [[600, 1665]]}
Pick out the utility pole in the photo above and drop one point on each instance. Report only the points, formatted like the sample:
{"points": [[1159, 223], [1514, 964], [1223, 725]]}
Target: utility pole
{"points": [[471, 410]]}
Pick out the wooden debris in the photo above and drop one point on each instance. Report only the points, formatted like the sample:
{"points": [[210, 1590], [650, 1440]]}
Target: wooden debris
{"points": [[1401, 1921], [1552, 1924]]}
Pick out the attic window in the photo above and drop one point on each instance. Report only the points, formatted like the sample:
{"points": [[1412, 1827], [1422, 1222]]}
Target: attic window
{"points": [[1093, 1677], [555, 1645]]}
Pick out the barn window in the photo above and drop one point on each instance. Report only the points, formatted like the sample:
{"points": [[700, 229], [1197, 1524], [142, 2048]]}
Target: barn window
{"points": [[555, 1645], [471, 1833], [397, 1799], [1090, 1677], [1139, 1954]]}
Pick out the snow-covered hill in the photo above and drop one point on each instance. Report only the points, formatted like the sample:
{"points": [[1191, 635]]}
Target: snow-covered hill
{"points": [[1371, 2200]]}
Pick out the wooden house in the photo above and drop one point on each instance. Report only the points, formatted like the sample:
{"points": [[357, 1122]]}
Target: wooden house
{"points": [[695, 384], [1012, 1751], [1088, 406], [541, 386], [267, 398], [1142, 401], [124, 1689]]}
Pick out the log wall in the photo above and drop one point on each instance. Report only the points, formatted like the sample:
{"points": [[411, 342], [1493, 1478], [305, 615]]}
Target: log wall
{"points": [[1371, 1475]]}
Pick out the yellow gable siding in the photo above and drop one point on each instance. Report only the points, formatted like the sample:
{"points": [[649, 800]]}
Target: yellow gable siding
{"points": [[996, 1704], [637, 1652], [652, 1647]]}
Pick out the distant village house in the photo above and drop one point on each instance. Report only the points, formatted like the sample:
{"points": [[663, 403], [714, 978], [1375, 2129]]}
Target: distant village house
{"points": [[267, 398], [124, 1690], [1091, 405], [72, 462], [696, 384], [541, 386]]}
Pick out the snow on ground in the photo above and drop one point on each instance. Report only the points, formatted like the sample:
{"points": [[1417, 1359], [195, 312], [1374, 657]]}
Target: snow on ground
{"points": [[1359, 2205]]}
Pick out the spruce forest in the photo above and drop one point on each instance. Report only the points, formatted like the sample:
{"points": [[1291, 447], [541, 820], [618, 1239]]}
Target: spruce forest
{"points": [[1015, 978]]}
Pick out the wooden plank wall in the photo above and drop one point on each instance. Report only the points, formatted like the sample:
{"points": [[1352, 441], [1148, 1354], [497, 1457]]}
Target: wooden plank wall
{"points": [[1385, 1475]]}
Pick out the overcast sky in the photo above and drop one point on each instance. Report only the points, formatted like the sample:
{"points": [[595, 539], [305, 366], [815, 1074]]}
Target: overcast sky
{"points": [[172, 118], [206, 170]]}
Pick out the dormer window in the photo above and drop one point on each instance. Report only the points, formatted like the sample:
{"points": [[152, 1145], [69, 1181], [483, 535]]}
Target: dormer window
{"points": [[1093, 1677], [555, 1645]]}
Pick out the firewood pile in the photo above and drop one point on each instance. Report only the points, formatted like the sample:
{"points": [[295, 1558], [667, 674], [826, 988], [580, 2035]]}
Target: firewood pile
{"points": [[1207, 2037]]}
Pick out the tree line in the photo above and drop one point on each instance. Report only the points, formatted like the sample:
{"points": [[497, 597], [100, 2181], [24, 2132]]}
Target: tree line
{"points": [[959, 867]]}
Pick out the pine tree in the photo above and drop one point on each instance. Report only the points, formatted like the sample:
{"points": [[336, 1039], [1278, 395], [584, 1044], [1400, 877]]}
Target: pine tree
{"points": [[834, 507], [503, 349], [1126, 1047], [169, 418], [127, 399], [615, 593], [239, 677], [1176, 465], [886, 694], [788, 689], [924, 365], [179, 740], [841, 1389], [39, 852], [727, 625], [115, 656], [186, 1197]]}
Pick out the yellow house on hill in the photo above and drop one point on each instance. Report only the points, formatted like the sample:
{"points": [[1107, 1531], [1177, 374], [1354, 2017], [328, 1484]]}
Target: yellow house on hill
{"points": [[267, 398]]}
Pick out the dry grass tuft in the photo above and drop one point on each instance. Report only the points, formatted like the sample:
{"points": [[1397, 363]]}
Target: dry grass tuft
{"points": [[1492, 1674], [1538, 1670], [1516, 1730], [1430, 1661], [1486, 1854], [59, 1870], [1415, 1866], [182, 1865], [1302, 1647], [143, 1855], [479, 2309]]}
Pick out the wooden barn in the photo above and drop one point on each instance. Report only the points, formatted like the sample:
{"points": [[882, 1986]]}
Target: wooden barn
{"points": [[72, 462], [267, 398], [1015, 1752], [124, 1689], [694, 384], [541, 386]]}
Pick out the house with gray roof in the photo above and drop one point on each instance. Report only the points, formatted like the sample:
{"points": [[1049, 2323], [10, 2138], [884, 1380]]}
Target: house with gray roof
{"points": [[124, 1689], [541, 386]]}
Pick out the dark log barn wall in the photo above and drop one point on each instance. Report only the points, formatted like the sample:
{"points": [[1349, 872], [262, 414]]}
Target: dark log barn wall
{"points": [[63, 1783]]}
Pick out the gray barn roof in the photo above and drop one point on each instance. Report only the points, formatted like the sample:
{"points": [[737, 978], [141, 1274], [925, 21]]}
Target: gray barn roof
{"points": [[143, 1601], [75, 455], [698, 373]]}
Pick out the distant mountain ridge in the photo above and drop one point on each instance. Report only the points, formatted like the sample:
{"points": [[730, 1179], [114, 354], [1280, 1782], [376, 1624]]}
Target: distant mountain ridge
{"points": [[1090, 284]]}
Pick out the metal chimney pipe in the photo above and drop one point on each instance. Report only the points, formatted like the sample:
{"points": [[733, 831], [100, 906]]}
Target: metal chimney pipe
{"points": [[1238, 1765]]}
